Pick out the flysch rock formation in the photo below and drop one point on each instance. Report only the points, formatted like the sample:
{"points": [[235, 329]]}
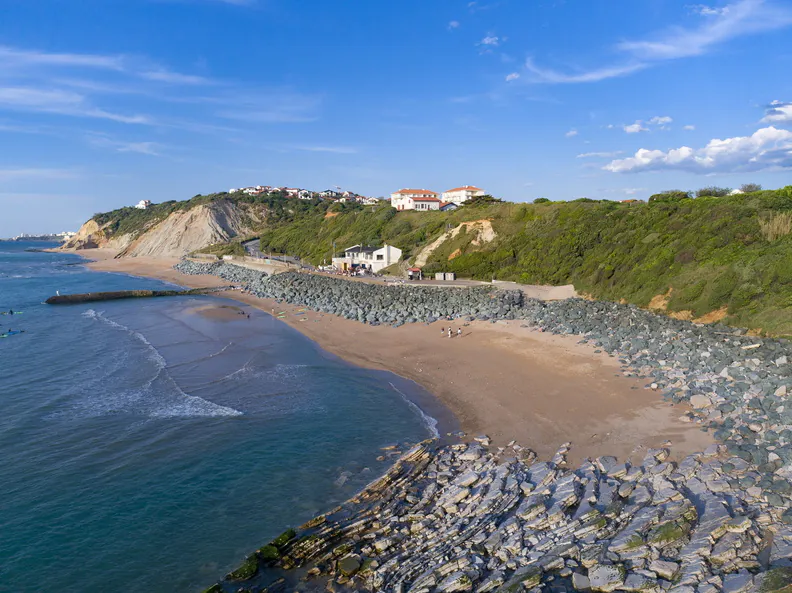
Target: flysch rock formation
{"points": [[462, 518], [186, 231], [180, 233]]}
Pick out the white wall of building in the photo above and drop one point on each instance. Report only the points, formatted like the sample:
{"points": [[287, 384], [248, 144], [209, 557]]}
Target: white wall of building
{"points": [[459, 195]]}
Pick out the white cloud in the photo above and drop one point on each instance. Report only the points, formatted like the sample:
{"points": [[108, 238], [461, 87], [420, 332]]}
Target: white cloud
{"points": [[660, 120], [512, 76], [778, 112], [635, 128], [689, 128], [609, 155], [332, 149], [162, 75], [571, 133], [102, 141], [36, 173], [490, 40], [554, 77], [11, 57], [739, 19], [705, 10], [767, 148], [453, 25], [60, 102]]}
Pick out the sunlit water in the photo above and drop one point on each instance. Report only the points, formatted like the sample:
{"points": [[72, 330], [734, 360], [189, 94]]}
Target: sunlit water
{"points": [[146, 448]]}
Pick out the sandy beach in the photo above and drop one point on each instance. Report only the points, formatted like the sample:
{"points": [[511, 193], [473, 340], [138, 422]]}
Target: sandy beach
{"points": [[500, 379]]}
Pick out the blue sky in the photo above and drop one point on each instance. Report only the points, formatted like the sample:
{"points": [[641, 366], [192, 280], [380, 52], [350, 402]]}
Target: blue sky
{"points": [[106, 102]]}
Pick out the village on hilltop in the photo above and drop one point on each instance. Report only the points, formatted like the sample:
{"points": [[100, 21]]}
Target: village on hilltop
{"points": [[403, 199]]}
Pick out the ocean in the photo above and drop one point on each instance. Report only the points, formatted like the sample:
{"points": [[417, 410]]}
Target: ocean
{"points": [[148, 448]]}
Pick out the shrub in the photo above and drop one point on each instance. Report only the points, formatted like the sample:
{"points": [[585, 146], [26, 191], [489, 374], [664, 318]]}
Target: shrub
{"points": [[541, 200], [713, 192], [749, 188], [672, 195], [775, 225]]}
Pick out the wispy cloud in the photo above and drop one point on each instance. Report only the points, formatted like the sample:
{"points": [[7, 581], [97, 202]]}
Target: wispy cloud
{"points": [[103, 141], [331, 149], [490, 41], [60, 102], [739, 19], [767, 148], [512, 76], [549, 76], [689, 127], [660, 120], [571, 133], [36, 173], [12, 57], [453, 25], [609, 155], [162, 75]]}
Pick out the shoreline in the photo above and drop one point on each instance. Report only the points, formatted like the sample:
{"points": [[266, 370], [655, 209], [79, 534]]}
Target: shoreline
{"points": [[511, 383]]}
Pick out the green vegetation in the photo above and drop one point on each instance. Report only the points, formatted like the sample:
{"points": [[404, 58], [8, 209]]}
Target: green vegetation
{"points": [[221, 249], [246, 571], [731, 252]]}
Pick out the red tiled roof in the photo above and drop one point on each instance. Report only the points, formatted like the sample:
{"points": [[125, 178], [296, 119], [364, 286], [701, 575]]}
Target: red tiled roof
{"points": [[465, 188], [416, 191], [425, 200], [444, 204]]}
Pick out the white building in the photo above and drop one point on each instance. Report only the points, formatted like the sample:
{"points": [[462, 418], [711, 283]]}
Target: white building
{"points": [[460, 195], [408, 199], [143, 204], [305, 194], [373, 259]]}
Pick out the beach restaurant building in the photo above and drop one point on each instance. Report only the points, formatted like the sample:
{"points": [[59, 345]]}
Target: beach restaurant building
{"points": [[368, 258]]}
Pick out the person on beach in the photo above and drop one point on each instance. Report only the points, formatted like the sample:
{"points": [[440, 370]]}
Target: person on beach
{"points": [[459, 332], [442, 332], [450, 333]]}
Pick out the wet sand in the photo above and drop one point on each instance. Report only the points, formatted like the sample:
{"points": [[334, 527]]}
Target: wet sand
{"points": [[499, 379]]}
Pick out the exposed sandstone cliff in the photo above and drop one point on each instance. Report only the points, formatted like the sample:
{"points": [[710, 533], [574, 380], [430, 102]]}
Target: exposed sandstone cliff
{"points": [[185, 231]]}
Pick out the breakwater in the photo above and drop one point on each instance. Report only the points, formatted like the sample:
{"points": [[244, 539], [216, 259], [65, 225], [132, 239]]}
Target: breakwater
{"points": [[89, 297], [717, 521]]}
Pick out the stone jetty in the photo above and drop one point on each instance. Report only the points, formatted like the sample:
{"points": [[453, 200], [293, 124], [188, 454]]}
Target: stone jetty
{"points": [[464, 518]]}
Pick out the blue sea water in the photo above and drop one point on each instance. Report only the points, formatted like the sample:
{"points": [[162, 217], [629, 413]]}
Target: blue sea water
{"points": [[147, 448]]}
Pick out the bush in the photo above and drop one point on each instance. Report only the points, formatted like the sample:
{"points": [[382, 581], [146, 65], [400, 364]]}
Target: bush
{"points": [[713, 192], [672, 195], [541, 200], [749, 188]]}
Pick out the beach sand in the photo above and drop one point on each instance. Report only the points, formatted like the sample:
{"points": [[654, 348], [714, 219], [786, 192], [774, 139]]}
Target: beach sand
{"points": [[500, 379]]}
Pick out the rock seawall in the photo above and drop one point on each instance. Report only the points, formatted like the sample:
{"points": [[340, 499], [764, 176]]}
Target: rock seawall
{"points": [[471, 520]]}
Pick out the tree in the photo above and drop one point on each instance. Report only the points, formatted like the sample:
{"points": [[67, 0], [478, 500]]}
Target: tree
{"points": [[541, 200], [482, 200], [670, 195], [713, 192], [749, 188]]}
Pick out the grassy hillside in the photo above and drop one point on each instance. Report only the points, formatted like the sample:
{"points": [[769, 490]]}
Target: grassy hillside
{"points": [[713, 252]]}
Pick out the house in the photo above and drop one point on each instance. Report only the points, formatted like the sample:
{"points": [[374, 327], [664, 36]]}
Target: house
{"points": [[369, 258], [448, 206], [368, 201], [414, 274], [407, 199], [292, 192], [329, 193], [460, 195], [305, 194], [143, 204]]}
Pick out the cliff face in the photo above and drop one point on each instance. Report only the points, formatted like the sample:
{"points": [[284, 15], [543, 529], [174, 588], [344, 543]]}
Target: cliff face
{"points": [[92, 236], [185, 231], [179, 233]]}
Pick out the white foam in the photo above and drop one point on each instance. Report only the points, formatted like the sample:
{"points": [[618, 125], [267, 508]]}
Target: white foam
{"points": [[429, 421], [185, 405]]}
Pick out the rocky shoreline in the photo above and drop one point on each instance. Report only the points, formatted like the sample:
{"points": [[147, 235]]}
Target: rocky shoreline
{"points": [[463, 518]]}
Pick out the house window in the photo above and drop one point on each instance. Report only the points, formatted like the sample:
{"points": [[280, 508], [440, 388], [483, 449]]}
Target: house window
{"points": [[380, 257]]}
